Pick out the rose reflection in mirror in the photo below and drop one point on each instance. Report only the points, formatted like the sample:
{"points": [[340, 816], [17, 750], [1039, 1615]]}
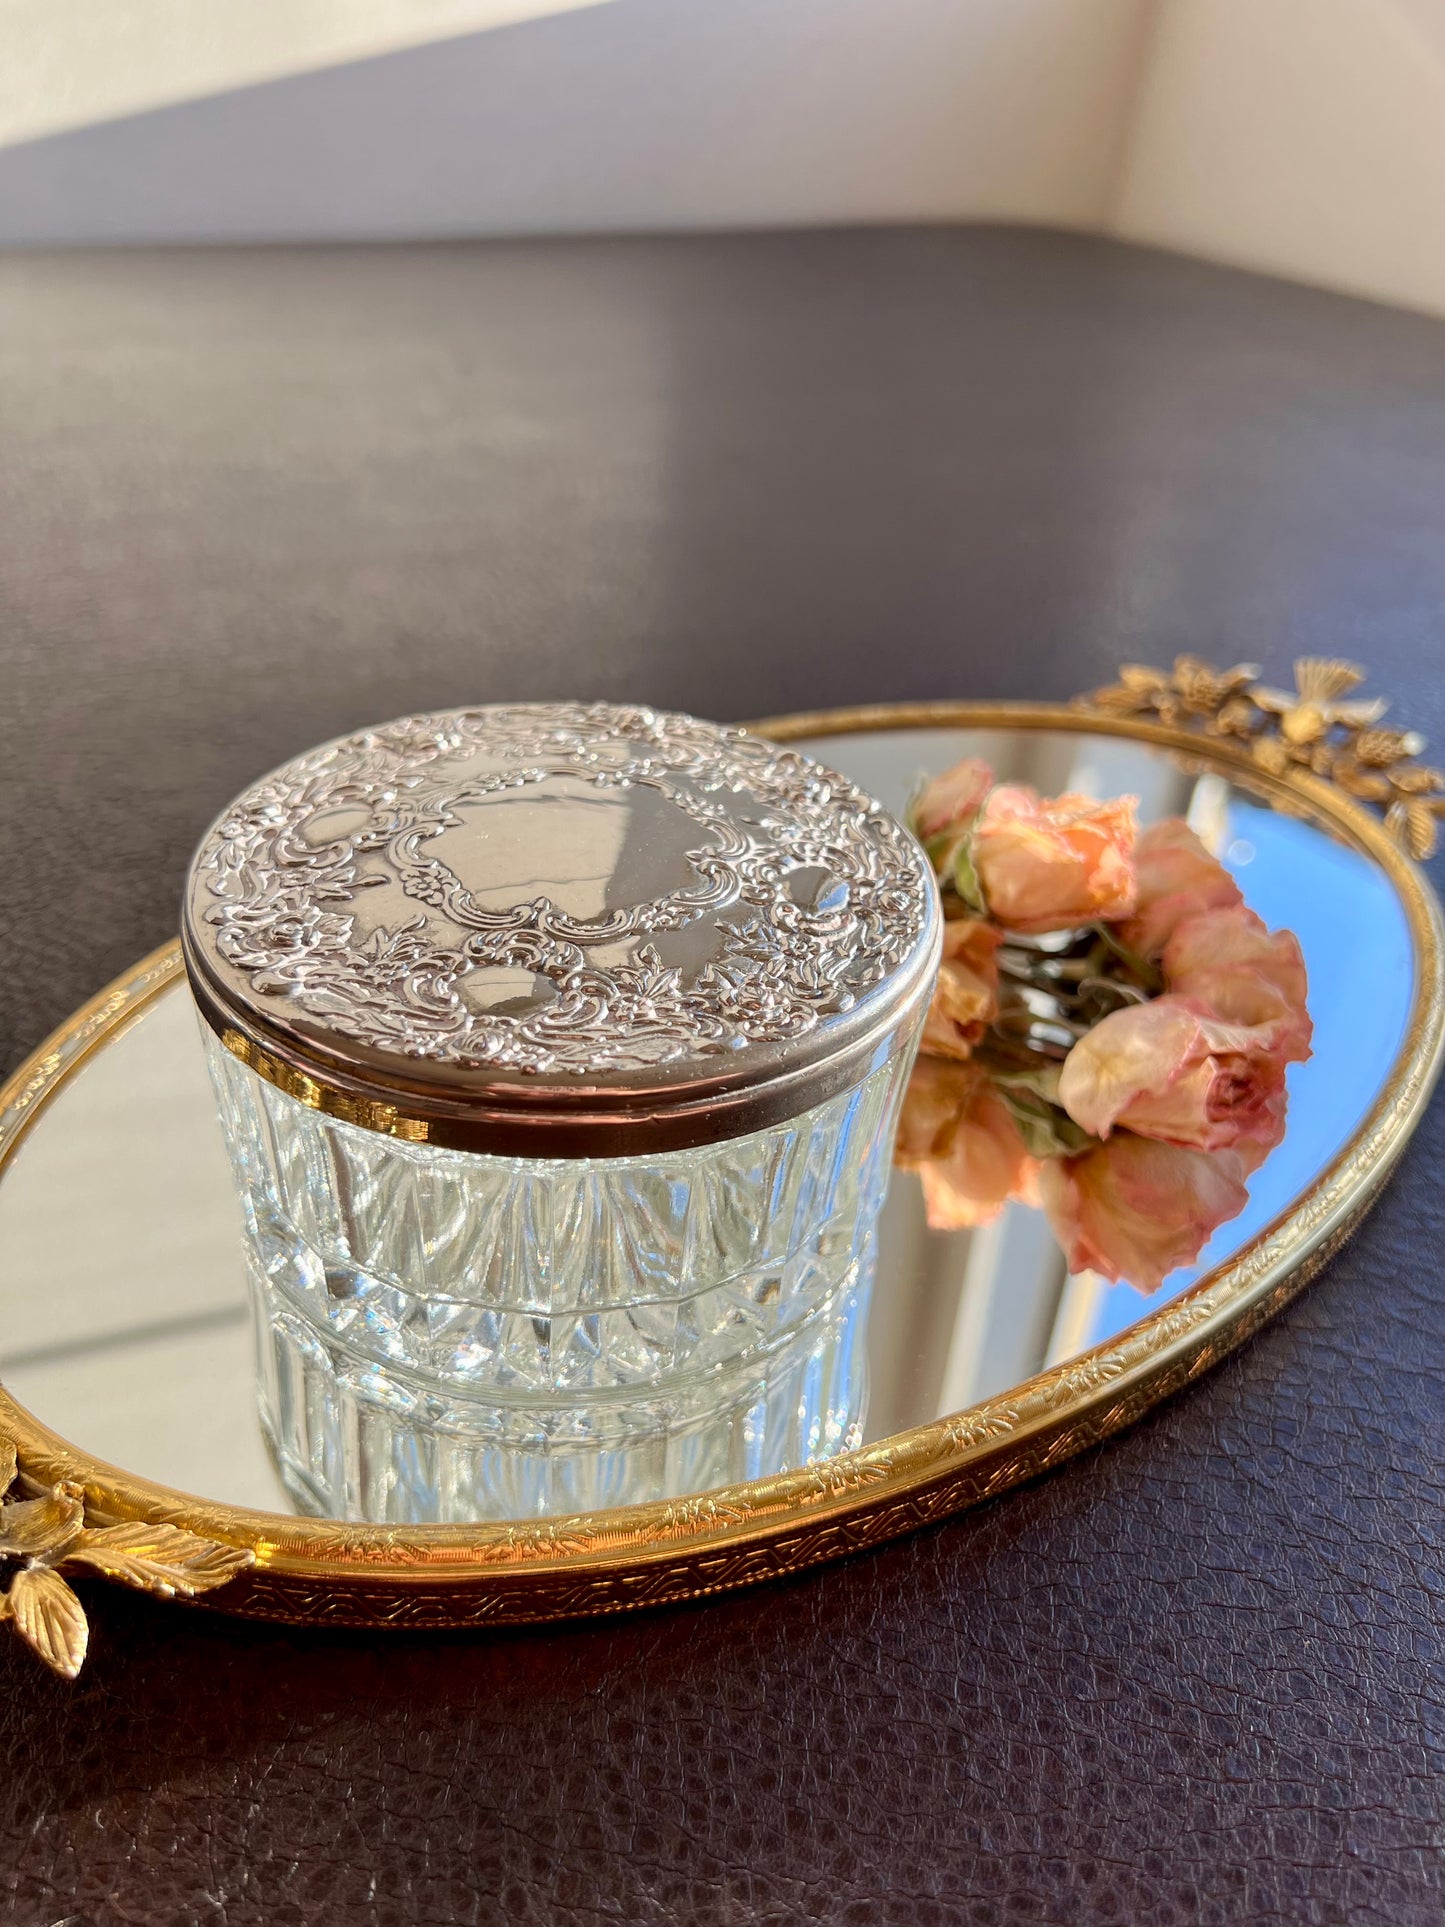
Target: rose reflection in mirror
{"points": [[1110, 1030]]}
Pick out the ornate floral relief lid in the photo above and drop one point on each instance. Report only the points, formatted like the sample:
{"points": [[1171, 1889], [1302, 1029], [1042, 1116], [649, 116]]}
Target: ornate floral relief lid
{"points": [[560, 929]]}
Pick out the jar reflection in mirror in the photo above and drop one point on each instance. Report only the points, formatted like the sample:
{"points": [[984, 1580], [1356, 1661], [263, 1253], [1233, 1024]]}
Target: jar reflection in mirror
{"points": [[606, 1237]]}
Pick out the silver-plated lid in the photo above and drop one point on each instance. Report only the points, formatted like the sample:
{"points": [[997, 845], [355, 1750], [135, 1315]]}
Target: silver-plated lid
{"points": [[560, 930]]}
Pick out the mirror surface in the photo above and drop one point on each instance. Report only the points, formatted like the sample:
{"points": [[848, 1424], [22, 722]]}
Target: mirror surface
{"points": [[125, 1319]]}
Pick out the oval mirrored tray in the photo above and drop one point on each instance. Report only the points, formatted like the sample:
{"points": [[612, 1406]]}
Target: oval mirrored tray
{"points": [[976, 1360]]}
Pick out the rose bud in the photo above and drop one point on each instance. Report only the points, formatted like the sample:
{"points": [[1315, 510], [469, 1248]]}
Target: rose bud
{"points": [[1134, 1210], [960, 1137], [1051, 863], [965, 996], [1228, 960], [948, 801], [1173, 1070], [1177, 878]]}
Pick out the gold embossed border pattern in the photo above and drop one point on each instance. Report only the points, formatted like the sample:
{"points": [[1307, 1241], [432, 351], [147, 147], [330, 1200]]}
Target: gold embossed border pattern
{"points": [[494, 1574]]}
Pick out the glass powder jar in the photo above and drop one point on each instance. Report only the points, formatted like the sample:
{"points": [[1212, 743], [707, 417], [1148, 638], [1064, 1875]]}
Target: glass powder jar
{"points": [[559, 1051]]}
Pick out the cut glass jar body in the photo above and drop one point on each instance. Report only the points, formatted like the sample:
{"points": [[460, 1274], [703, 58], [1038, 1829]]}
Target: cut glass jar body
{"points": [[443, 1335]]}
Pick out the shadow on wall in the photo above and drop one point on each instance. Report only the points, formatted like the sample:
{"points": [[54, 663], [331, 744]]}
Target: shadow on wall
{"points": [[641, 114], [1304, 138]]}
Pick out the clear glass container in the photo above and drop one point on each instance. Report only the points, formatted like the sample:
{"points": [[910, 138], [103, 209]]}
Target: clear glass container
{"points": [[559, 1052], [445, 1335]]}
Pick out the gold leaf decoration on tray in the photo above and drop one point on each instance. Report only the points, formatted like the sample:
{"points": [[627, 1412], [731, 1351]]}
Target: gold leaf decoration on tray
{"points": [[49, 1616], [1318, 726], [50, 1532]]}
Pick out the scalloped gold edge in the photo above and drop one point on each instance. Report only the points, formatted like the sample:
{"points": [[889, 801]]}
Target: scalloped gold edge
{"points": [[309, 1571]]}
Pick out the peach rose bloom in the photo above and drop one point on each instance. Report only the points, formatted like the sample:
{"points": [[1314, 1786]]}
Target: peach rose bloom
{"points": [[952, 799], [1051, 863], [1177, 878], [957, 1133], [1248, 974], [965, 995], [1173, 1070], [1135, 1209], [931, 1104]]}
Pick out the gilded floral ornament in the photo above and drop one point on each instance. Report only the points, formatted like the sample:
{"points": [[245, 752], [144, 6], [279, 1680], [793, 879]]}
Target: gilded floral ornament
{"points": [[1317, 726], [50, 1532]]}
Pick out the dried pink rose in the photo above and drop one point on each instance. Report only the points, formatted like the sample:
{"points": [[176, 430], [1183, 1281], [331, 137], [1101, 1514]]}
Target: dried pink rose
{"points": [[1135, 1209], [965, 996], [948, 801], [1228, 960], [1050, 863], [961, 1138], [1172, 1069], [1177, 878], [931, 1104]]}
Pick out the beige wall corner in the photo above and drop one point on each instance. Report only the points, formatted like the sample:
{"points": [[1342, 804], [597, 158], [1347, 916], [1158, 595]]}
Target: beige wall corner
{"points": [[1302, 137]]}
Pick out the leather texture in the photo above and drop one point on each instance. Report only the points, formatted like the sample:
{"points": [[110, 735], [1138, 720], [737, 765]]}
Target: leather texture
{"points": [[252, 499]]}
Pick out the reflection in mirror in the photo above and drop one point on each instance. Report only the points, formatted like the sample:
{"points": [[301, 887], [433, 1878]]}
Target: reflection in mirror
{"points": [[1016, 1306], [125, 1325]]}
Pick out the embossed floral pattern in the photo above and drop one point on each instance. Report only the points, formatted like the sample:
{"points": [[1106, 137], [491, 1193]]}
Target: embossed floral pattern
{"points": [[282, 881]]}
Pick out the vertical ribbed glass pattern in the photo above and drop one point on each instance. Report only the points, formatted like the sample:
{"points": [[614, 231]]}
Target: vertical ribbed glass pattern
{"points": [[447, 1336]]}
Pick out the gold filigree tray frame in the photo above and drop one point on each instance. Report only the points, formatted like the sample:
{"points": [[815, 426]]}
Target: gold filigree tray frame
{"points": [[271, 1566]]}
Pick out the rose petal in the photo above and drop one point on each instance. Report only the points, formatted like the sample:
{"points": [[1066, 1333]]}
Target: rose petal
{"points": [[965, 995], [1228, 960], [950, 799], [1235, 939], [1052, 864], [1134, 1210], [1171, 1069], [961, 1138], [1177, 878]]}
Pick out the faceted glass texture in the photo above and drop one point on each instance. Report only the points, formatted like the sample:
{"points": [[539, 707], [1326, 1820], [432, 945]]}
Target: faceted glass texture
{"points": [[443, 1335]]}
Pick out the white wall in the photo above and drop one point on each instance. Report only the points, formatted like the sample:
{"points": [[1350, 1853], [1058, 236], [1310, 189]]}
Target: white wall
{"points": [[70, 63], [1303, 137], [639, 114]]}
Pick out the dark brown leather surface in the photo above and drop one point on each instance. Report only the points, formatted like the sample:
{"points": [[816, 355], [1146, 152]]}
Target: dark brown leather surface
{"points": [[254, 499]]}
